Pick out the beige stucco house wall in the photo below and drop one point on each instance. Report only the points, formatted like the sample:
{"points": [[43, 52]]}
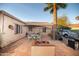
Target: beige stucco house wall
{"points": [[8, 35], [38, 27], [40, 30]]}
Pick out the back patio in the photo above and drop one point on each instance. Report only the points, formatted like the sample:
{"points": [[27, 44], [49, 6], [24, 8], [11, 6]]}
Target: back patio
{"points": [[23, 47]]}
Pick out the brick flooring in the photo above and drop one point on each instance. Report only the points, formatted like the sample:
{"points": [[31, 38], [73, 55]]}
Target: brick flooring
{"points": [[23, 48]]}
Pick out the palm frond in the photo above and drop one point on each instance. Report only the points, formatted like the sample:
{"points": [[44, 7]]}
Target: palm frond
{"points": [[58, 5], [49, 6], [62, 5], [51, 11], [46, 8]]}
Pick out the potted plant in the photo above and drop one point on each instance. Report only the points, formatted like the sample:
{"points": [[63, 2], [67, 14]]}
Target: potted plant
{"points": [[35, 38]]}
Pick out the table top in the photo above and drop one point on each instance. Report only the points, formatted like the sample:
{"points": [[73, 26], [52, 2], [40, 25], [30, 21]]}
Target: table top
{"points": [[42, 43]]}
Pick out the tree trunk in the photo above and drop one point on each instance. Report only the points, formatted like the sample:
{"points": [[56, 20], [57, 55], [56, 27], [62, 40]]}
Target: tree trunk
{"points": [[55, 21]]}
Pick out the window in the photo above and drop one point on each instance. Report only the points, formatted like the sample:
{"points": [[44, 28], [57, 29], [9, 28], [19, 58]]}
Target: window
{"points": [[44, 29], [30, 28], [18, 29], [21, 29]]}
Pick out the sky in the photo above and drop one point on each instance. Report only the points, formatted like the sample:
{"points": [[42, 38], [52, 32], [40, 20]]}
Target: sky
{"points": [[35, 11]]}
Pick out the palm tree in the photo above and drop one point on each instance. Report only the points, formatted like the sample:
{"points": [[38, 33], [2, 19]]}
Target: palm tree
{"points": [[77, 18], [53, 7]]}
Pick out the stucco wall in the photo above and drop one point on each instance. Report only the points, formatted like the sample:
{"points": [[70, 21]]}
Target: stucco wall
{"points": [[48, 30], [9, 35], [1, 26], [1, 22], [40, 30], [37, 29]]}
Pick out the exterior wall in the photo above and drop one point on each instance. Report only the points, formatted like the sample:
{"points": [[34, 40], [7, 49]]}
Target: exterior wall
{"points": [[9, 35], [48, 30], [1, 22], [40, 30], [37, 29], [1, 28]]}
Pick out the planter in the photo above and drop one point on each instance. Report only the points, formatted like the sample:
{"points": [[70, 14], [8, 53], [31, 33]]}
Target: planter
{"points": [[34, 42]]}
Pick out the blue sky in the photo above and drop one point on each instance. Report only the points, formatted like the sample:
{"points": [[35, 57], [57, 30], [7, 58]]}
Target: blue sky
{"points": [[35, 12]]}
